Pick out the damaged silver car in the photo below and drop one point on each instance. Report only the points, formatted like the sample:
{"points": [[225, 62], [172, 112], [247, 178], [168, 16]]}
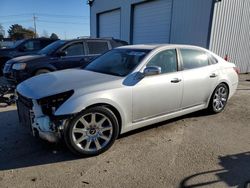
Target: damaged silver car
{"points": [[126, 88]]}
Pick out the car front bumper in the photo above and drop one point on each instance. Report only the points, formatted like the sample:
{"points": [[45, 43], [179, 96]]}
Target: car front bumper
{"points": [[16, 76], [31, 117]]}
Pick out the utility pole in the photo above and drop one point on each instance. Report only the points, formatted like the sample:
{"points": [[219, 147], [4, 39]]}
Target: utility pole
{"points": [[65, 35], [34, 20]]}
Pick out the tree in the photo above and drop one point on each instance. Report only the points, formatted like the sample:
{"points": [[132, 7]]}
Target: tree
{"points": [[54, 36], [17, 32]]}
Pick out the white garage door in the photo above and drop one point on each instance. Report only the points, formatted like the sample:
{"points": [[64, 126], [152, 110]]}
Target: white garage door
{"points": [[110, 24], [152, 21]]}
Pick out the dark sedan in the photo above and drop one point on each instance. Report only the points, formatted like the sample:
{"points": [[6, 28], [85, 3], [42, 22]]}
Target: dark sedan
{"points": [[62, 54]]}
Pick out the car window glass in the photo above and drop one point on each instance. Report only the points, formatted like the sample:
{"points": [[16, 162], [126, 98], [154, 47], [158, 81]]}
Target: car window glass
{"points": [[32, 45], [97, 47], [167, 60], [194, 58], [74, 49], [45, 43], [119, 62]]}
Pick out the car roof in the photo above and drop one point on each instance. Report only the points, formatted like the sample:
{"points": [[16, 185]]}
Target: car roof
{"points": [[94, 39], [155, 46]]}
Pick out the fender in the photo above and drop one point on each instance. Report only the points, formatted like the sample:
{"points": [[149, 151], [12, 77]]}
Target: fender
{"points": [[118, 100]]}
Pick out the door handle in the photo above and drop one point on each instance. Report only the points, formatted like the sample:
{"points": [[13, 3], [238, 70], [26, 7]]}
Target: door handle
{"points": [[213, 75], [175, 80]]}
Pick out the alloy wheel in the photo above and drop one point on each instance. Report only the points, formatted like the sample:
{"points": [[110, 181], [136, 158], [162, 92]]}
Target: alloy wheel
{"points": [[92, 132], [220, 98]]}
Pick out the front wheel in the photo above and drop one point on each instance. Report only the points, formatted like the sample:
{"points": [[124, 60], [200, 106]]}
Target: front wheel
{"points": [[42, 71], [91, 132], [219, 98]]}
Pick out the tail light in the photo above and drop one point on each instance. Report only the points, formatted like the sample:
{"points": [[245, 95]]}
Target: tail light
{"points": [[226, 57], [237, 70]]}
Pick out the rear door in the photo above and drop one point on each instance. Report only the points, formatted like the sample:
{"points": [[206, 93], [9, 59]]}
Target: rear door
{"points": [[200, 76]]}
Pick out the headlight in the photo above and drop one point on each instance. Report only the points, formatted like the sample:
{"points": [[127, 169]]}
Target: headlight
{"points": [[52, 103], [19, 66]]}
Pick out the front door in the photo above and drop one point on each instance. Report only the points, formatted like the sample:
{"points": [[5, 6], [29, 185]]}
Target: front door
{"points": [[74, 55], [160, 94]]}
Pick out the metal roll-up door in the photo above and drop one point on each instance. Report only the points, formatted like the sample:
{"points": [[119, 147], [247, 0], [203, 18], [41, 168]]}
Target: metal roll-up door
{"points": [[110, 24], [152, 22]]}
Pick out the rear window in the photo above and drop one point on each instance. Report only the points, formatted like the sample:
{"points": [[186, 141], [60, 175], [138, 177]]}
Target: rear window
{"points": [[32, 45], [194, 58], [97, 47]]}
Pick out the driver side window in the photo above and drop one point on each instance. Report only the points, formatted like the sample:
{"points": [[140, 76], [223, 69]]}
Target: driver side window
{"points": [[166, 59]]}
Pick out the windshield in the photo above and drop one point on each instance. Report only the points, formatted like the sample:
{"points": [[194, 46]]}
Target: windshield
{"points": [[48, 50], [16, 43], [118, 62]]}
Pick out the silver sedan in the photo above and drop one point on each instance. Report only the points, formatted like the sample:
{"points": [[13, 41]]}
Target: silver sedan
{"points": [[126, 88]]}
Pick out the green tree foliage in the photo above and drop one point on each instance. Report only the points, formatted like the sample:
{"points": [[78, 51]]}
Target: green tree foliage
{"points": [[54, 36], [17, 32]]}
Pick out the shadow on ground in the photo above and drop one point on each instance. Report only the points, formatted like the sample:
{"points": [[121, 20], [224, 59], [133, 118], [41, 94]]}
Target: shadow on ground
{"points": [[18, 148], [201, 113], [235, 172]]}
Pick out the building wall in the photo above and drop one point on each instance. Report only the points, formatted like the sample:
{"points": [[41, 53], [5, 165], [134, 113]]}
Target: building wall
{"points": [[100, 6], [231, 32], [190, 19]]}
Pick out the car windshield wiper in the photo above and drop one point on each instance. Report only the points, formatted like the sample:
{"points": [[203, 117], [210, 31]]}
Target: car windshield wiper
{"points": [[104, 72]]}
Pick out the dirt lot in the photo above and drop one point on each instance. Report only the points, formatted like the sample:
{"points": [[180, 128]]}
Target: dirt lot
{"points": [[194, 150]]}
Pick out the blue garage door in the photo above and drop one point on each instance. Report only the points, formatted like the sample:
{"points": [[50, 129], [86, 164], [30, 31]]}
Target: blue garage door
{"points": [[110, 24], [152, 21]]}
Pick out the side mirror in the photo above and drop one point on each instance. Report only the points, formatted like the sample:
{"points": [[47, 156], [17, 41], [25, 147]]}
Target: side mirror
{"points": [[152, 70], [61, 54]]}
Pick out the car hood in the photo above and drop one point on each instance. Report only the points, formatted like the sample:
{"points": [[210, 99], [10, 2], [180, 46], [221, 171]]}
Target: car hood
{"points": [[6, 51], [27, 58], [72, 79]]}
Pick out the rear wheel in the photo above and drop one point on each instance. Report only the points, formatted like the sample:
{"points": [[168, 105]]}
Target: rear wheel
{"points": [[91, 132], [219, 98]]}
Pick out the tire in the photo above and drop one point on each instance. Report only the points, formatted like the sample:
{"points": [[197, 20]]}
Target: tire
{"points": [[92, 131], [42, 71], [218, 99]]}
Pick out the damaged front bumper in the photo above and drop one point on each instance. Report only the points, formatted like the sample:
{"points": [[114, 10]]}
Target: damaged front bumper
{"points": [[31, 115]]}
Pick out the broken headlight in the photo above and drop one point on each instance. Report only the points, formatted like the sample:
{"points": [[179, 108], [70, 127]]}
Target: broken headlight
{"points": [[51, 103]]}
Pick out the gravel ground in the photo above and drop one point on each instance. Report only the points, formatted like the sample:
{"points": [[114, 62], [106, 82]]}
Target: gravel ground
{"points": [[192, 151]]}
